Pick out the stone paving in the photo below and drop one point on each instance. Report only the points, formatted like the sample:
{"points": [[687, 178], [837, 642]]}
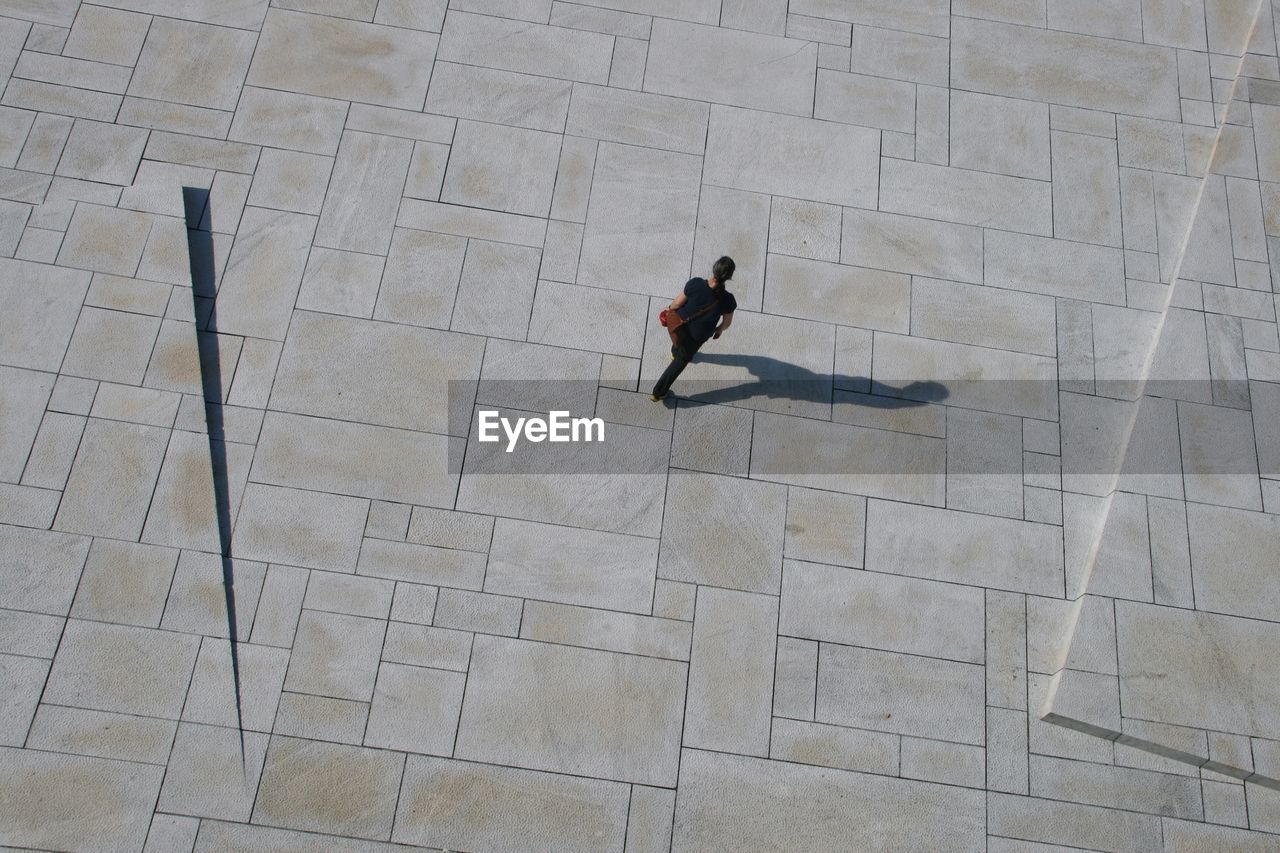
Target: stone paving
{"points": [[966, 536]]}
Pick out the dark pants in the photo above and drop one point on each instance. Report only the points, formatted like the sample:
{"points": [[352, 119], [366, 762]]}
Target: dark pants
{"points": [[682, 353]]}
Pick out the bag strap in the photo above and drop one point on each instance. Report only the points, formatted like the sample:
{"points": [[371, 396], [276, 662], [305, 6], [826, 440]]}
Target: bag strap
{"points": [[715, 303]]}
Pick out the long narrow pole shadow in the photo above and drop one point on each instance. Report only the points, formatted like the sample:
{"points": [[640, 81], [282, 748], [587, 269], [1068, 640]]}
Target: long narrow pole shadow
{"points": [[204, 290]]}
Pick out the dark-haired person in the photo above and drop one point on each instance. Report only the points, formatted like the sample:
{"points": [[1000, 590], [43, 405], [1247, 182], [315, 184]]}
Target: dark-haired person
{"points": [[707, 310]]}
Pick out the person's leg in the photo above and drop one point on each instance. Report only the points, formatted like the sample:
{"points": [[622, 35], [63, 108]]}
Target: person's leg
{"points": [[681, 353]]}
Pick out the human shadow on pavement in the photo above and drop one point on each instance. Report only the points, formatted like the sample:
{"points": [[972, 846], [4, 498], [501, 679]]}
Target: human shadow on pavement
{"points": [[204, 294], [777, 379]]}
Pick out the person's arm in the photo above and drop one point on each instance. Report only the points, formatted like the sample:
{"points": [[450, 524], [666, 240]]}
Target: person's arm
{"points": [[678, 302], [725, 322]]}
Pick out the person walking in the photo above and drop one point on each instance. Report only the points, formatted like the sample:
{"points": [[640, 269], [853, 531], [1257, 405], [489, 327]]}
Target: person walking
{"points": [[702, 312]]}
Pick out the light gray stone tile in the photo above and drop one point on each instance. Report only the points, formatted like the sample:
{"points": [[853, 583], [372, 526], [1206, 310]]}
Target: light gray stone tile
{"points": [[420, 282], [111, 345], [426, 170], [983, 316], [502, 168], [1203, 837], [414, 14], [532, 49], [737, 802], [53, 449], [475, 310], [731, 67], [44, 143], [502, 97], [421, 645], [571, 566], [290, 180], [447, 529], [573, 179], [642, 217], [213, 772], [1137, 790], [1016, 555], [106, 35], [737, 224], [1006, 757], [57, 558], [335, 655], [1055, 267], [1055, 822], [985, 465], [174, 118], [603, 20], [900, 55], [1077, 120], [111, 481], [825, 527], [589, 318], [387, 521], [396, 377], [749, 514], [730, 689], [23, 396], [347, 60], [1230, 553], [930, 18], [414, 603], [638, 118], [795, 684], [714, 439], [819, 29], [971, 377], [288, 120], [62, 70], [900, 693], [171, 832], [912, 245], [853, 296], [1207, 251], [649, 819], [125, 583], [279, 605], [1170, 552], [1086, 189], [973, 198], [104, 735], [941, 761], [23, 679], [192, 63], [212, 698], [1219, 456], [257, 294], [839, 605], [1199, 686], [310, 529], [1002, 135], [748, 150], [409, 124], [64, 100], [834, 746], [477, 611], [364, 194], [183, 509], [846, 458], [108, 801], [629, 59], [336, 456], [804, 229], [122, 669], [870, 101], [605, 630], [322, 787], [524, 699], [415, 709], [354, 596], [340, 282], [321, 718], [1004, 60], [105, 239], [461, 805], [102, 152]]}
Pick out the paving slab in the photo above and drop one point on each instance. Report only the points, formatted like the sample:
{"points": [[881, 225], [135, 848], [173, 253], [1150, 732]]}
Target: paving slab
{"points": [[557, 708], [728, 802], [347, 60], [462, 804]]}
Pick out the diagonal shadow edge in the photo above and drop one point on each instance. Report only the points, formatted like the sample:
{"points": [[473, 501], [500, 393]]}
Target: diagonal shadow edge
{"points": [[204, 289]]}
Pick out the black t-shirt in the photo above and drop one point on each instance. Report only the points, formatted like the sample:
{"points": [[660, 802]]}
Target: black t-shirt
{"points": [[698, 295]]}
